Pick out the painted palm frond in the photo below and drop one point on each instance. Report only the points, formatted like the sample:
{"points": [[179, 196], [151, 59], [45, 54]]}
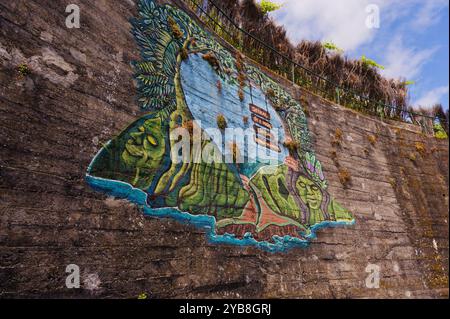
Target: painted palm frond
{"points": [[159, 51], [145, 67]]}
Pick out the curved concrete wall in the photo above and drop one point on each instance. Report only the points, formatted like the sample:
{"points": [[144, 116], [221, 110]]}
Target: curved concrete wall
{"points": [[80, 94]]}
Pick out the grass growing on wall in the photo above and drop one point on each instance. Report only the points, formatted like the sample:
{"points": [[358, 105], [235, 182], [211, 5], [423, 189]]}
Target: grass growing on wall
{"points": [[23, 70]]}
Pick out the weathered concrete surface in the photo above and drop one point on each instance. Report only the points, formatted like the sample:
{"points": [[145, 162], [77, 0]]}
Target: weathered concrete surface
{"points": [[80, 94]]}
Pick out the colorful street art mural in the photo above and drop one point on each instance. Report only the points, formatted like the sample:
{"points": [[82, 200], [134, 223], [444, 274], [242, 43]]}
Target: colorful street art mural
{"points": [[275, 198]]}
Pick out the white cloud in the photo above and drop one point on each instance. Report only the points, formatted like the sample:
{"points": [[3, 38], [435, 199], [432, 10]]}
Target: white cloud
{"points": [[395, 45], [430, 13], [432, 97], [401, 61], [343, 21], [340, 21]]}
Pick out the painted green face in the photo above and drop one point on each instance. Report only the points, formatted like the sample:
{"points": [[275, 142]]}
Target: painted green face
{"points": [[145, 146], [309, 192]]}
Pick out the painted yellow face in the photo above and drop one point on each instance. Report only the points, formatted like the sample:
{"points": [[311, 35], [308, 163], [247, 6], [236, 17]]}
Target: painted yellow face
{"points": [[309, 192]]}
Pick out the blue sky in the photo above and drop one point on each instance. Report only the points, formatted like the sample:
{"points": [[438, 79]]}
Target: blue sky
{"points": [[412, 41]]}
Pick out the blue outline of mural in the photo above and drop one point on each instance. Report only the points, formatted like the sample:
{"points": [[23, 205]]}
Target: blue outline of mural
{"points": [[121, 189]]}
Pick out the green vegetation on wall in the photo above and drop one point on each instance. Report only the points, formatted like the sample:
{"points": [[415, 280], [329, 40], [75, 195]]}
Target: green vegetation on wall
{"points": [[269, 6]]}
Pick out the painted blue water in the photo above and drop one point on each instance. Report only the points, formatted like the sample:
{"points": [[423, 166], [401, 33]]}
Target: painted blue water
{"points": [[280, 244], [124, 190], [206, 102]]}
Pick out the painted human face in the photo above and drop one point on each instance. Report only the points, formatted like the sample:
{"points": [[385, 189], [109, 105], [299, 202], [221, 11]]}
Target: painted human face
{"points": [[145, 146], [309, 192]]}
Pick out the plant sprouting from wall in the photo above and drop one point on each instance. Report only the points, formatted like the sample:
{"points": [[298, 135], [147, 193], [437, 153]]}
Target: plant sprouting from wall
{"points": [[408, 83], [371, 63], [269, 6], [439, 132], [23, 69], [372, 139], [221, 122], [344, 177], [331, 47]]}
